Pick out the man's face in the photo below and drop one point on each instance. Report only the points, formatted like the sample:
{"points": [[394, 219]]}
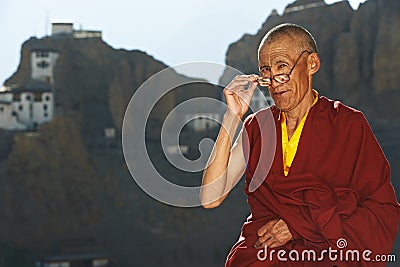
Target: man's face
{"points": [[280, 57]]}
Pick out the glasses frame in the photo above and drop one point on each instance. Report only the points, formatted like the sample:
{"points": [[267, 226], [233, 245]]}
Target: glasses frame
{"points": [[267, 82]]}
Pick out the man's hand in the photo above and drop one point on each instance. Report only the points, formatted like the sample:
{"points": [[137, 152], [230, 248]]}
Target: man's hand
{"points": [[237, 97], [274, 233]]}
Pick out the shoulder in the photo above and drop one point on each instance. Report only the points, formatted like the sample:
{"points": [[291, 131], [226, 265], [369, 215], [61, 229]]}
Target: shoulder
{"points": [[342, 122], [262, 116], [261, 123], [338, 113]]}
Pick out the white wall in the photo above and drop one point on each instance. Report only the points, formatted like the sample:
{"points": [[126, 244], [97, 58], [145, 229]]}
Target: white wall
{"points": [[7, 120], [43, 110], [23, 108], [29, 111], [59, 28], [100, 262], [42, 65], [87, 34], [6, 97]]}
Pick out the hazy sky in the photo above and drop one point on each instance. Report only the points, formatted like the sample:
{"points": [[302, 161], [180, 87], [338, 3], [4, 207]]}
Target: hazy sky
{"points": [[173, 31]]}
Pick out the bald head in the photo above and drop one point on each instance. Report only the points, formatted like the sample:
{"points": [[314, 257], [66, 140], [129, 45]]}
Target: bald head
{"points": [[301, 39]]}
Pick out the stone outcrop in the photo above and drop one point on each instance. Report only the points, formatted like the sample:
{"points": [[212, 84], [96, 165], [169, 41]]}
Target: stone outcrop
{"points": [[50, 185]]}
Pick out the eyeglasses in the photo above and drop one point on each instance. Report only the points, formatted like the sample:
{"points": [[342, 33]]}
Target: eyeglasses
{"points": [[280, 78]]}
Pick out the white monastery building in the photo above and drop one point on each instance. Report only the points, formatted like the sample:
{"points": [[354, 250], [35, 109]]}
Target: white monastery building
{"points": [[63, 28], [25, 108], [43, 62], [203, 121]]}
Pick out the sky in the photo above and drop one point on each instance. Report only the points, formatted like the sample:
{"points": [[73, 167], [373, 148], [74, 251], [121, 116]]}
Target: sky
{"points": [[174, 31]]}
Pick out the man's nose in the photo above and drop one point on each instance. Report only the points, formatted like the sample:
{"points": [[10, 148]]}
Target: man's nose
{"points": [[275, 84]]}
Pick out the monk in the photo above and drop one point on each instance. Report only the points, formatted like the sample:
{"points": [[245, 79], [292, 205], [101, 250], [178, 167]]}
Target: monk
{"points": [[317, 182]]}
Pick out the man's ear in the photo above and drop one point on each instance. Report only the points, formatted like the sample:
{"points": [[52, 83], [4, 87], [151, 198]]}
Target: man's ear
{"points": [[314, 63]]}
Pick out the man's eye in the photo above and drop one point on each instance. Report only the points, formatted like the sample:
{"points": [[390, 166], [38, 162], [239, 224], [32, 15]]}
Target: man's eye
{"points": [[282, 66]]}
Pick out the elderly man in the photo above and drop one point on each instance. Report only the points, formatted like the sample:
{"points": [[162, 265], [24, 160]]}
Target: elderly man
{"points": [[323, 197]]}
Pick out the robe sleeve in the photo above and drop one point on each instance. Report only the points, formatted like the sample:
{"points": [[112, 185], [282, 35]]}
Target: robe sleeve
{"points": [[374, 224], [365, 213]]}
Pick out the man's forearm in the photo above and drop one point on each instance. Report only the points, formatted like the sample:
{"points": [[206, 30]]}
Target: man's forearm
{"points": [[215, 184]]}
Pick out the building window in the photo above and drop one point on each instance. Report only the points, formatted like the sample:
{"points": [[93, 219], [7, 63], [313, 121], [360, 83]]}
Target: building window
{"points": [[16, 97], [28, 97], [47, 98], [1, 108], [37, 97], [42, 64], [20, 107], [44, 107], [45, 114], [42, 54]]}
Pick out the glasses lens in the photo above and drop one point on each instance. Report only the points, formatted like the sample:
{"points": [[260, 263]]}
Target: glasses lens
{"points": [[283, 78], [264, 82]]}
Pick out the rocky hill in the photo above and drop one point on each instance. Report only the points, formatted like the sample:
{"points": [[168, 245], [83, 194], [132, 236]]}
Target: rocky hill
{"points": [[64, 182], [93, 81]]}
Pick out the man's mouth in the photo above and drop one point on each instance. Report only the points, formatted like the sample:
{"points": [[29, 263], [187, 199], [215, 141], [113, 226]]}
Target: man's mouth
{"points": [[280, 93]]}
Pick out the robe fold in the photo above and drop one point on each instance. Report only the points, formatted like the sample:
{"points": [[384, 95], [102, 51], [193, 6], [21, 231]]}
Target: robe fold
{"points": [[338, 188]]}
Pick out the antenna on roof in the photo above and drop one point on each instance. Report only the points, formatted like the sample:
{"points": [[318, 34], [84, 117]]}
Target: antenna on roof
{"points": [[46, 25]]}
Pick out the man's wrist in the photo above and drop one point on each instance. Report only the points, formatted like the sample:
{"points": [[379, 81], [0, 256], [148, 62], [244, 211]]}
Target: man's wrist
{"points": [[232, 116], [230, 123]]}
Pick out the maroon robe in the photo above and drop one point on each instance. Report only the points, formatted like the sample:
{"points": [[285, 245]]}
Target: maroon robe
{"points": [[338, 187]]}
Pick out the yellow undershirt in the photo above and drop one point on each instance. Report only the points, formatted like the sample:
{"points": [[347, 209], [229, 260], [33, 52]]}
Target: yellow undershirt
{"points": [[289, 147]]}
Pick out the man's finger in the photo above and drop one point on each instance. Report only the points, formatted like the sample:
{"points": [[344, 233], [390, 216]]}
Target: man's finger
{"points": [[241, 84], [265, 237], [275, 231], [236, 83], [267, 227], [252, 87], [280, 226], [234, 90], [270, 243], [273, 245], [244, 79], [277, 240]]}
